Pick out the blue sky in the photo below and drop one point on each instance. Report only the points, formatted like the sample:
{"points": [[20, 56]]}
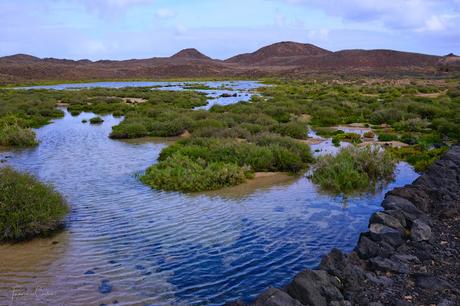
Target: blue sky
{"points": [[123, 29]]}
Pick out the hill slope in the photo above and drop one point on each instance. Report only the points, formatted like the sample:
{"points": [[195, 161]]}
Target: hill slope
{"points": [[284, 58]]}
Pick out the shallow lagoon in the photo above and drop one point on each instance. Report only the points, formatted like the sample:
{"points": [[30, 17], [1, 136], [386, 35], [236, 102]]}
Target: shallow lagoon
{"points": [[219, 92], [167, 247], [153, 247]]}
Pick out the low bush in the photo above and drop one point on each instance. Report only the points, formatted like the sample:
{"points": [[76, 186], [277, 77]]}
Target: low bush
{"points": [[369, 134], [353, 169], [128, 130], [268, 153], [181, 173], [388, 137], [96, 120], [298, 130], [348, 137], [327, 132], [28, 208], [419, 157], [16, 136]]}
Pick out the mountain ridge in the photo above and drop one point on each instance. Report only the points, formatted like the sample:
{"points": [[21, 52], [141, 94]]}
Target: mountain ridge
{"points": [[285, 58]]}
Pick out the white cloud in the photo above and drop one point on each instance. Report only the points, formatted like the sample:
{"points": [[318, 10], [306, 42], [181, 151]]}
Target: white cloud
{"points": [[111, 8], [318, 35], [181, 29], [165, 13], [395, 14], [435, 23]]}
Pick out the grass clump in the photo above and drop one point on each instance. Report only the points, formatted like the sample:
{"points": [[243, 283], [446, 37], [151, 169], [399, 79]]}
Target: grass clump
{"points": [[369, 134], [419, 157], [353, 169], [13, 135], [387, 137], [96, 120], [28, 208], [182, 173], [266, 153], [199, 164], [348, 137]]}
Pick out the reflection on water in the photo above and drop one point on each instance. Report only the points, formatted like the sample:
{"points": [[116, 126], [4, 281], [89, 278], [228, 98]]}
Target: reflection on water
{"points": [[129, 244]]}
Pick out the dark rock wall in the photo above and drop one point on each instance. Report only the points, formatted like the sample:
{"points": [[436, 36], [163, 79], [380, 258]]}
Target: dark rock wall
{"points": [[409, 256]]}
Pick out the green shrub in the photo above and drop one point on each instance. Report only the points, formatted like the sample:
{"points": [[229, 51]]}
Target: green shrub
{"points": [[369, 134], [419, 157], [268, 153], [327, 132], [96, 120], [348, 137], [353, 169], [293, 129], [326, 116], [181, 173], [412, 125], [28, 208], [129, 130], [388, 137], [302, 150], [445, 127], [117, 114], [409, 139], [16, 136]]}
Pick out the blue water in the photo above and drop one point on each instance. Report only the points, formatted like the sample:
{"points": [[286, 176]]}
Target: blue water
{"points": [[154, 247], [233, 91]]}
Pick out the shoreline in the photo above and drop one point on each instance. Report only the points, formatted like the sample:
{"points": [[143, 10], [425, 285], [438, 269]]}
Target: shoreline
{"points": [[184, 79], [409, 255]]}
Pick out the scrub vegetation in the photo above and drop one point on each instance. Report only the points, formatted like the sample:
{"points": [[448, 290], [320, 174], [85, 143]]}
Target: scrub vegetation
{"points": [[28, 208], [96, 120], [353, 169], [14, 135], [266, 134], [199, 164]]}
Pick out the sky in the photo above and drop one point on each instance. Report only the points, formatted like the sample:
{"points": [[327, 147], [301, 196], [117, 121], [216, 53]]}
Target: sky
{"points": [[124, 29]]}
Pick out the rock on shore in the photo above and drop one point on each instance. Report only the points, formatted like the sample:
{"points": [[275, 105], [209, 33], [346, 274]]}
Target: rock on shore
{"points": [[409, 256]]}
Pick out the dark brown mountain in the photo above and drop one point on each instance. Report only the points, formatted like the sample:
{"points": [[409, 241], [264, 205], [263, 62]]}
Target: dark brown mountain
{"points": [[190, 53], [280, 59], [286, 49], [449, 63]]}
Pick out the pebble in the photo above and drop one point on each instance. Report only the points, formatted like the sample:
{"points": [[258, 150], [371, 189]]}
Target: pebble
{"points": [[105, 287]]}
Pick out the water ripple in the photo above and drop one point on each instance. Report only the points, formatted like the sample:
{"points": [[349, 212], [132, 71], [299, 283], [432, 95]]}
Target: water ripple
{"points": [[166, 248]]}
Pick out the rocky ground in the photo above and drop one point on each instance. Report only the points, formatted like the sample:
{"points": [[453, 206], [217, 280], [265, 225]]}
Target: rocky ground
{"points": [[409, 256]]}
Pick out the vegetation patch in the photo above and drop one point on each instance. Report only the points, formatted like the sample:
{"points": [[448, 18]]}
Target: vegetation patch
{"points": [[199, 164], [16, 136], [28, 208], [182, 173], [418, 157], [396, 111], [96, 120], [348, 137], [353, 169]]}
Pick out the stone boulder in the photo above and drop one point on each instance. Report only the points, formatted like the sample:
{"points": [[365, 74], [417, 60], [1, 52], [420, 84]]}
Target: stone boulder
{"points": [[388, 220], [315, 288], [420, 231], [276, 297], [379, 232]]}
